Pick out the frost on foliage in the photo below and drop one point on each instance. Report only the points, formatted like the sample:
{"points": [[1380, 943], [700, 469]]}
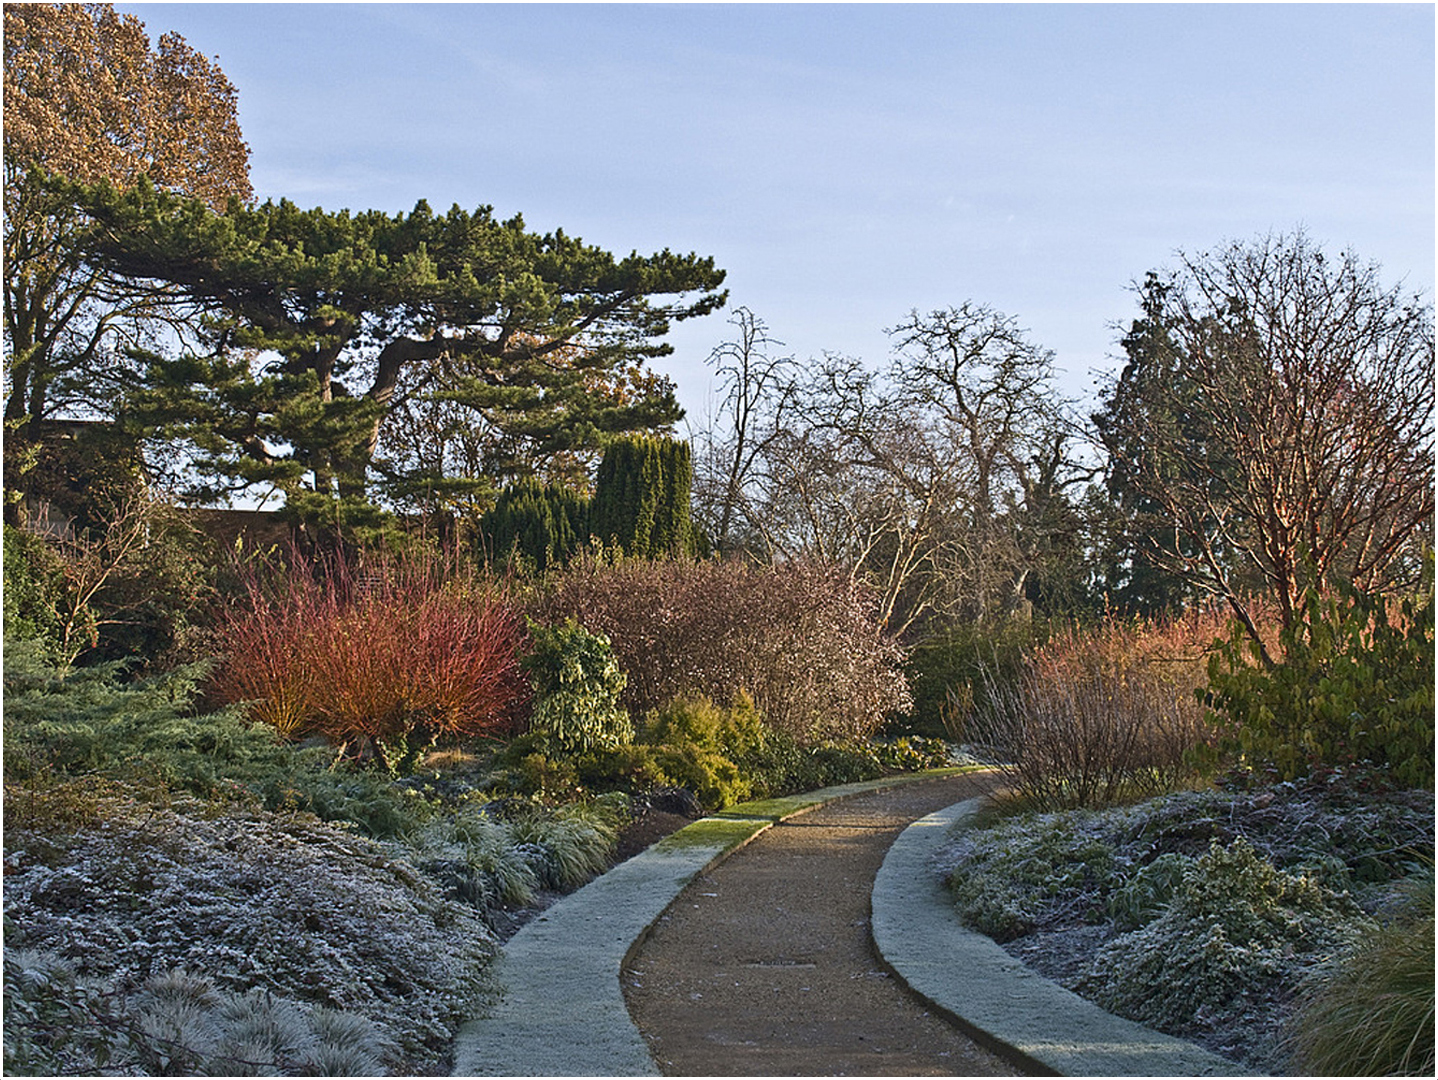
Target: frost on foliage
{"points": [[1235, 932], [282, 907], [1209, 907], [177, 1024]]}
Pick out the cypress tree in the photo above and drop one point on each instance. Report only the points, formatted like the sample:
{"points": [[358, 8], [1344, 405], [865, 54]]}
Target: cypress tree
{"points": [[543, 524], [641, 499]]}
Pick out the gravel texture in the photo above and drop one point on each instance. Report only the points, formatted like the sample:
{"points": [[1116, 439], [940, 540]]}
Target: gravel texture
{"points": [[764, 965]]}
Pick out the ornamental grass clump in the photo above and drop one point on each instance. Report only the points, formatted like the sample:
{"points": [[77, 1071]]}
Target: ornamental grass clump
{"points": [[1370, 1011], [382, 660], [492, 861], [176, 1024]]}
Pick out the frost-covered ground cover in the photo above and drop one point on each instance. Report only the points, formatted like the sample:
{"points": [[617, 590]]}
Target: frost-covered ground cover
{"points": [[1199, 913], [228, 939]]}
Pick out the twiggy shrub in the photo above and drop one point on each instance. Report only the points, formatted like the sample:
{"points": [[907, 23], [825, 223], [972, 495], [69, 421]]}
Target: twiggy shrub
{"points": [[1370, 1013], [953, 673], [383, 660], [1099, 716], [802, 639]]}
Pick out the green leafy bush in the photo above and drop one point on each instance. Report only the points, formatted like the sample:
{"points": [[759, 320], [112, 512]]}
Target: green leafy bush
{"points": [[577, 689], [912, 753], [135, 585], [35, 593], [1370, 1011], [1354, 685]]}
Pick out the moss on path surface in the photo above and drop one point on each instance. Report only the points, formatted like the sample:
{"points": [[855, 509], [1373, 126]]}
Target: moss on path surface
{"points": [[764, 965]]}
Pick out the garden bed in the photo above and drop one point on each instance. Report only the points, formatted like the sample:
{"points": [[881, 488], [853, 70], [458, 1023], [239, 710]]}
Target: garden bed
{"points": [[1200, 914]]}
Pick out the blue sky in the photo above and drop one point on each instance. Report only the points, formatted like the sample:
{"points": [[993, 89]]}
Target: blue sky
{"points": [[848, 163]]}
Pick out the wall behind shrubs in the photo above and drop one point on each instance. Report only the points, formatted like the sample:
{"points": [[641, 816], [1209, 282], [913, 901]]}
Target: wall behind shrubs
{"points": [[802, 639]]}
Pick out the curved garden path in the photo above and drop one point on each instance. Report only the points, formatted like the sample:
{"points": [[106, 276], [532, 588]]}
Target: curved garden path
{"points": [[765, 965]]}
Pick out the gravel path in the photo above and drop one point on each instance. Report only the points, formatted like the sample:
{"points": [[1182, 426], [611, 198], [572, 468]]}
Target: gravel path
{"points": [[765, 966]]}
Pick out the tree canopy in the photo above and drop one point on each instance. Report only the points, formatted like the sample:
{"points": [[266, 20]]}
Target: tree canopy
{"points": [[89, 99], [1275, 430], [320, 324]]}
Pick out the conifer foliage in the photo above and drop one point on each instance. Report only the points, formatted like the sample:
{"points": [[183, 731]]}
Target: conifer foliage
{"points": [[366, 310], [535, 524], [642, 498]]}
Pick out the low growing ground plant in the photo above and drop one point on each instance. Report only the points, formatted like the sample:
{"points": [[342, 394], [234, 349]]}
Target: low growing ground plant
{"points": [[68, 728], [1233, 934], [1202, 913], [253, 901]]}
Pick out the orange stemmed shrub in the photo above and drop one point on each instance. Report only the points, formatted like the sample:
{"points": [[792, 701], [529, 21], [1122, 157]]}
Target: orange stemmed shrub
{"points": [[1102, 714], [388, 655]]}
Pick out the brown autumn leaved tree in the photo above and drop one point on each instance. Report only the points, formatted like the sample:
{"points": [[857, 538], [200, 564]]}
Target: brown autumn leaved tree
{"points": [[88, 98], [1281, 431]]}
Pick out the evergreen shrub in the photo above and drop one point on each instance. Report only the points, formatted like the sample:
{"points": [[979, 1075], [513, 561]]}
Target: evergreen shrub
{"points": [[1228, 936], [534, 525], [642, 498], [577, 690], [1354, 685], [72, 731]]}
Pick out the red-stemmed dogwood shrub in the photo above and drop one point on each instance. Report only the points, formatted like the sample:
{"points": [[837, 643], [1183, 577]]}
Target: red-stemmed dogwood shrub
{"points": [[384, 656]]}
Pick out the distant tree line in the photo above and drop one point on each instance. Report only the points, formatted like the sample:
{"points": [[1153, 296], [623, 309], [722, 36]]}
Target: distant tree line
{"points": [[1271, 429]]}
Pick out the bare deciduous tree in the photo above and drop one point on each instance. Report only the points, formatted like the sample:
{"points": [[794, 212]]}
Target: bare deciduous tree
{"points": [[754, 383], [1285, 430]]}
